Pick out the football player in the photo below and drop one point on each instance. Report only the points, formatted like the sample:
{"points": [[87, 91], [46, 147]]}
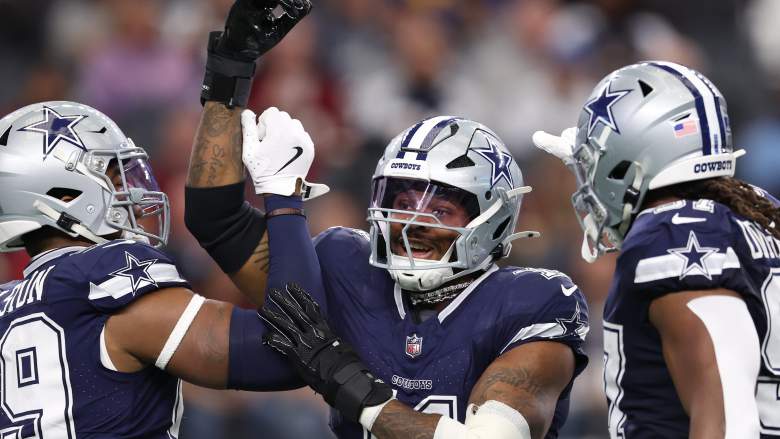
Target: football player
{"points": [[420, 299], [689, 317], [476, 349], [469, 349], [95, 336]]}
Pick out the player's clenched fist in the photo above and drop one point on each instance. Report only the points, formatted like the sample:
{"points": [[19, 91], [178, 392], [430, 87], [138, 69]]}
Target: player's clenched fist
{"points": [[277, 151], [252, 28]]}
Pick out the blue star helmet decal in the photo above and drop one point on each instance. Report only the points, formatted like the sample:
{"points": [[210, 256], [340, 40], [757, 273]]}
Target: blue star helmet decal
{"points": [[600, 108], [137, 271], [499, 161], [56, 128], [694, 255]]}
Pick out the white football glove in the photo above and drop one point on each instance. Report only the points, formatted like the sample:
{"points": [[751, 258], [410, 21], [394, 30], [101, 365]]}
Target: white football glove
{"points": [[277, 151], [560, 146]]}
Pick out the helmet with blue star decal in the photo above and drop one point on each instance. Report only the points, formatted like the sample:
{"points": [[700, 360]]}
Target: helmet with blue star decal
{"points": [[445, 201], [68, 166], [645, 126]]}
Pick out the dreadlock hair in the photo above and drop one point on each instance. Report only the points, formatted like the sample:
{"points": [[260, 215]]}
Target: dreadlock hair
{"points": [[740, 197]]}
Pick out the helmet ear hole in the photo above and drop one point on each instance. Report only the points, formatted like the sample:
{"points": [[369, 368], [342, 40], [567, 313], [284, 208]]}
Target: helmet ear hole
{"points": [[620, 170], [500, 229]]}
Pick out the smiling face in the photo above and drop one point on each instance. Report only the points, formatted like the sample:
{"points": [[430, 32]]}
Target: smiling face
{"points": [[426, 242]]}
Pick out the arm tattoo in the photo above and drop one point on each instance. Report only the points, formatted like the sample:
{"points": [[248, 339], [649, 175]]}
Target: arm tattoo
{"points": [[213, 343], [216, 153], [215, 164], [516, 387], [260, 256], [237, 143], [216, 120], [397, 421]]}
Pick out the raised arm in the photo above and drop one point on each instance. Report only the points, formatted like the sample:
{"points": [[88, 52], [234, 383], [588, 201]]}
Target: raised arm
{"points": [[216, 153], [711, 348], [231, 230]]}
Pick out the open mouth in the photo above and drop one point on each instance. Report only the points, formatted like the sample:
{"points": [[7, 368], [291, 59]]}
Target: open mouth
{"points": [[420, 250]]}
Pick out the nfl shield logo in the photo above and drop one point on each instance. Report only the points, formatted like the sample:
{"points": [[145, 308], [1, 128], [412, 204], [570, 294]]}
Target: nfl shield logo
{"points": [[413, 345]]}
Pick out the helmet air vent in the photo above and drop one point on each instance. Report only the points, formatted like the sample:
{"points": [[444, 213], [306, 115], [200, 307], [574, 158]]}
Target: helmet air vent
{"points": [[619, 171], [645, 87], [61, 192], [460, 162], [4, 137]]}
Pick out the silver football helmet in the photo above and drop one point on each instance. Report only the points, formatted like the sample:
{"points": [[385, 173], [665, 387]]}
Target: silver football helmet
{"points": [[444, 158], [644, 126], [68, 166]]}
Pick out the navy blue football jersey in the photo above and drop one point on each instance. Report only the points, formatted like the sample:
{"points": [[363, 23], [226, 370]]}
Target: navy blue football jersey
{"points": [[435, 363], [681, 246], [53, 383]]}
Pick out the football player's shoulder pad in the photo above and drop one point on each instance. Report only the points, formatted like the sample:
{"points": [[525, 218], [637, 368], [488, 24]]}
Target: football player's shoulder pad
{"points": [[342, 241], [657, 230], [524, 288], [687, 244], [118, 272]]}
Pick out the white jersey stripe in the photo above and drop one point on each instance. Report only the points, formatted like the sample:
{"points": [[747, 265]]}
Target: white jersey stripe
{"points": [[542, 330], [666, 266], [449, 309], [119, 286]]}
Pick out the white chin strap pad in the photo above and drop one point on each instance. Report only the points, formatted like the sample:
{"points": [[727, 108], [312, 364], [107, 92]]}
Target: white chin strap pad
{"points": [[77, 228], [491, 420], [420, 278], [591, 232]]}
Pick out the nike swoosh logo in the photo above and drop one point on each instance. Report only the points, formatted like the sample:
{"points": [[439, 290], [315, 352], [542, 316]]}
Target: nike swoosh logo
{"points": [[298, 152], [677, 219], [568, 291]]}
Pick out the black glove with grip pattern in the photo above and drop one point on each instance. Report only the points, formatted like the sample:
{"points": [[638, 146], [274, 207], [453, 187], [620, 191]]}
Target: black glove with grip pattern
{"points": [[252, 28], [328, 365]]}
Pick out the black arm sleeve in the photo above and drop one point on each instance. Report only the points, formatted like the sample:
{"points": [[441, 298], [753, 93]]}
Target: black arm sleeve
{"points": [[224, 224]]}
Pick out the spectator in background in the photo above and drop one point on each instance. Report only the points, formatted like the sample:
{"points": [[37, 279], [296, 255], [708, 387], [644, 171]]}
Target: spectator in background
{"points": [[512, 62], [135, 75]]}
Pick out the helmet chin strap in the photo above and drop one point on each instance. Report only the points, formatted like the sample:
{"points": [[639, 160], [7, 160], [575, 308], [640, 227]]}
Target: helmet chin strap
{"points": [[421, 278], [67, 223], [126, 234], [588, 253]]}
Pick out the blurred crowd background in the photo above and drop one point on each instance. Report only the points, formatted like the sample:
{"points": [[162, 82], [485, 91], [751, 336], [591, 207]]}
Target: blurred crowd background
{"points": [[356, 73]]}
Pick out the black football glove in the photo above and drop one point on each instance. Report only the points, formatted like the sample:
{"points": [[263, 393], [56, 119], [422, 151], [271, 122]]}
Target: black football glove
{"points": [[326, 364], [251, 29]]}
